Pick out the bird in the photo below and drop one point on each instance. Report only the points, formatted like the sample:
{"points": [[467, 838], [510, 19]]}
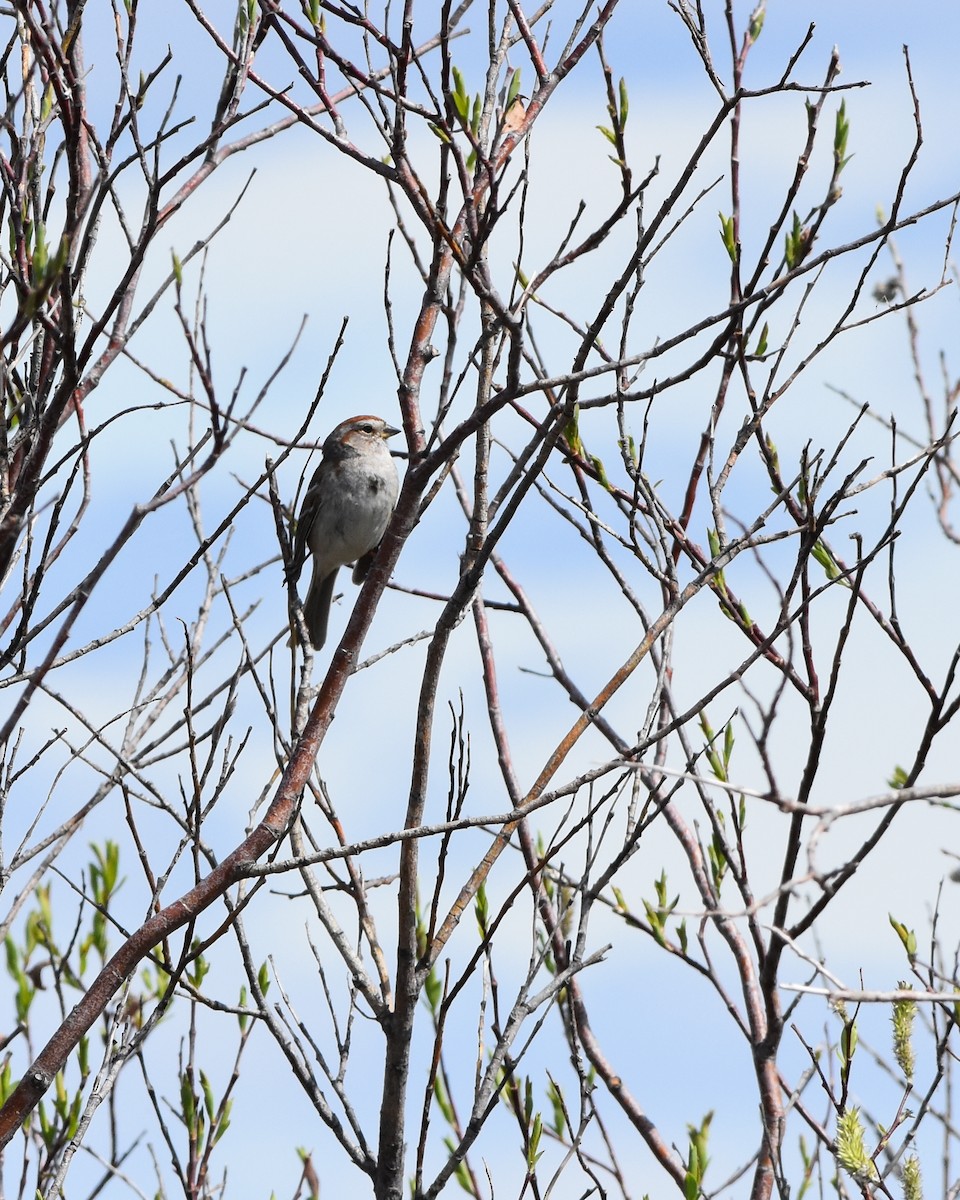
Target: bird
{"points": [[347, 507]]}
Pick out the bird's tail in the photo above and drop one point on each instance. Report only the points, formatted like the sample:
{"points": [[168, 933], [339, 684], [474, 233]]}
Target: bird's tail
{"points": [[316, 607]]}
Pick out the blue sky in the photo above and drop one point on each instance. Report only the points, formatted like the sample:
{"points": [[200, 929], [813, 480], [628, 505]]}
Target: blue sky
{"points": [[310, 237]]}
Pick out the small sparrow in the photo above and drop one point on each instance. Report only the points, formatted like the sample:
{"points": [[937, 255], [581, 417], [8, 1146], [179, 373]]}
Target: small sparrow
{"points": [[344, 513], [514, 115]]}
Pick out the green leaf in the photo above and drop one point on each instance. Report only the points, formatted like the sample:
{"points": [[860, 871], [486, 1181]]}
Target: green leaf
{"points": [[482, 910], [602, 478], [898, 779], [222, 1125], [24, 998], [208, 1101], [906, 936], [73, 1116], [624, 102], [198, 970], [513, 89], [697, 1158], [532, 1156], [848, 1043], [826, 560], [572, 433], [461, 101], [728, 234], [13, 958], [773, 452], [188, 1101], [797, 241], [83, 1056], [719, 579], [608, 134], [433, 987], [559, 1123], [443, 1100], [841, 133], [761, 347]]}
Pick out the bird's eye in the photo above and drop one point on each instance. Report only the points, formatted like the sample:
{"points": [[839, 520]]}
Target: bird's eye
{"points": [[366, 428]]}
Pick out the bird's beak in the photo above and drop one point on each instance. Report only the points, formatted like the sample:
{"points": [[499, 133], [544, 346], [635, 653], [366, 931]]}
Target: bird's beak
{"points": [[389, 432]]}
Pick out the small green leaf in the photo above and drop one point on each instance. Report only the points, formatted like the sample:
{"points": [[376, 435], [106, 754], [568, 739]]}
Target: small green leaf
{"points": [[772, 451], [13, 958], [797, 242], [728, 234], [443, 1100], [532, 1156], [906, 936], [482, 910], [608, 134], [513, 89], [433, 987], [697, 1158], [601, 472], [208, 1100], [719, 580], [826, 560], [848, 1043], [222, 1125], [841, 133], [572, 434], [559, 1123], [898, 779], [461, 101], [188, 1101], [198, 971]]}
